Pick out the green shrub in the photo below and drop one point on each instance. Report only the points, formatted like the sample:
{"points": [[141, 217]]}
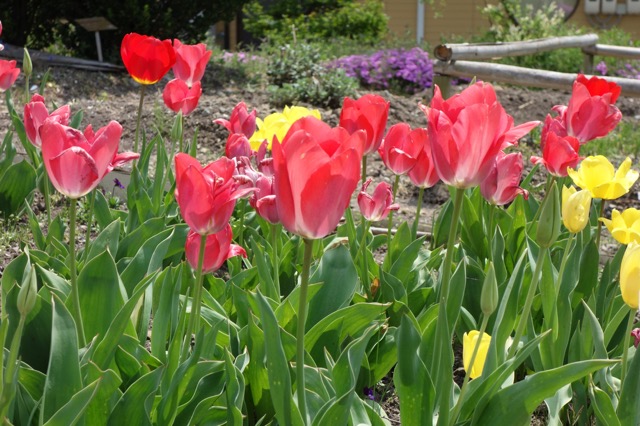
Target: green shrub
{"points": [[286, 20], [295, 74], [511, 21]]}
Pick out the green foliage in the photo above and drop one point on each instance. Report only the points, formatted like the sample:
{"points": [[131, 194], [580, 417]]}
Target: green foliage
{"points": [[285, 20], [295, 74], [512, 21], [38, 24]]}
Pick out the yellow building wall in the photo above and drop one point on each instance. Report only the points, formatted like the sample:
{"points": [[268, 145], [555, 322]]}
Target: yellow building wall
{"points": [[402, 18], [454, 21]]}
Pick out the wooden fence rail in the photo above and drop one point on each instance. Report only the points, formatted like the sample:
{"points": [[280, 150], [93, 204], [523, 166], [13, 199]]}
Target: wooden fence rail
{"points": [[461, 60]]}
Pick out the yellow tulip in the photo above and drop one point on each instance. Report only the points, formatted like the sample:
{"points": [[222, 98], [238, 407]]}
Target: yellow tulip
{"points": [[625, 226], [630, 275], [597, 175], [278, 124], [468, 344], [575, 208]]}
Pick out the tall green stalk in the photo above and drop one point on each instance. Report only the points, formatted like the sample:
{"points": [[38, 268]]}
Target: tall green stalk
{"points": [[364, 168], [302, 319], [196, 300], [365, 261], [72, 269], [87, 240], [390, 225], [275, 237], [47, 201], [416, 220], [625, 346], [142, 90]]}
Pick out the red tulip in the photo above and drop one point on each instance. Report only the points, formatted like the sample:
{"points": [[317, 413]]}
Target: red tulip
{"points": [[368, 113], [501, 185], [206, 196], [558, 153], [400, 148], [264, 200], [36, 113], [424, 174], [8, 74], [237, 146], [178, 96], [74, 164], [146, 58], [241, 121], [191, 61], [316, 170], [591, 112], [466, 133], [377, 207], [217, 249]]}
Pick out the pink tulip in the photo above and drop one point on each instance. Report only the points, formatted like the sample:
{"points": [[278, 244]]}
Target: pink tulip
{"points": [[591, 112], [36, 113], [368, 113], [264, 200], [74, 164], [501, 185], [237, 146], [635, 333], [206, 196], [119, 159], [217, 249], [558, 153], [377, 207], [191, 61], [400, 148], [8, 74], [424, 173], [466, 133], [241, 121], [178, 96], [316, 170]]}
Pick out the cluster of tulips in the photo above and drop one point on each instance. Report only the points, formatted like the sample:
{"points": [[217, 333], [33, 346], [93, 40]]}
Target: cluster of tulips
{"points": [[299, 173]]}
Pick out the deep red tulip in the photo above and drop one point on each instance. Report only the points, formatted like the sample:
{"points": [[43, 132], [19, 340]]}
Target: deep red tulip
{"points": [[178, 96], [241, 121], [502, 184], [558, 153], [119, 159], [591, 112], [8, 74], [206, 196], [36, 113], [316, 170], [424, 173], [191, 61], [146, 58], [237, 146], [466, 133], [400, 148], [217, 249], [378, 206], [75, 165], [368, 113]]}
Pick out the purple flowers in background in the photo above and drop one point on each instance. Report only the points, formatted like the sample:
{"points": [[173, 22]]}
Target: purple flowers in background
{"points": [[117, 183], [602, 68], [406, 70]]}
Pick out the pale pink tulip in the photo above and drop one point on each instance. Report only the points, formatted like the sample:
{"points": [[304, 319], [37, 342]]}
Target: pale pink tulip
{"points": [[502, 184], [217, 249], [400, 148], [8, 74], [241, 121], [378, 206], [191, 61], [36, 113]]}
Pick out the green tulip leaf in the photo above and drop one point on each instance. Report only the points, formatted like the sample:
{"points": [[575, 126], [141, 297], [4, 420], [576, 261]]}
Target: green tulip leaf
{"points": [[17, 182]]}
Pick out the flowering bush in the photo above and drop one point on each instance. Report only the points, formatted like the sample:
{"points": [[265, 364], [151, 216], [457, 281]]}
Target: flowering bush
{"points": [[397, 69]]}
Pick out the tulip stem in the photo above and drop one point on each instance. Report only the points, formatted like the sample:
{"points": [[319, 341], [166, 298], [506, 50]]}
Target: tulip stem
{"points": [[135, 146], [47, 201], [445, 351], [275, 237], [302, 317], [8, 393], [26, 89], [522, 322], [181, 132], [194, 316], [243, 212], [365, 264], [563, 265], [414, 228], [467, 373], [602, 205], [72, 270], [87, 241], [395, 190], [490, 232], [364, 168], [625, 346]]}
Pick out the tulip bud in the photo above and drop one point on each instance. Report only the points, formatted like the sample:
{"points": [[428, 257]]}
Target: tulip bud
{"points": [[27, 65], [549, 222], [469, 341], [630, 275], [575, 208], [489, 295], [176, 129], [27, 294]]}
